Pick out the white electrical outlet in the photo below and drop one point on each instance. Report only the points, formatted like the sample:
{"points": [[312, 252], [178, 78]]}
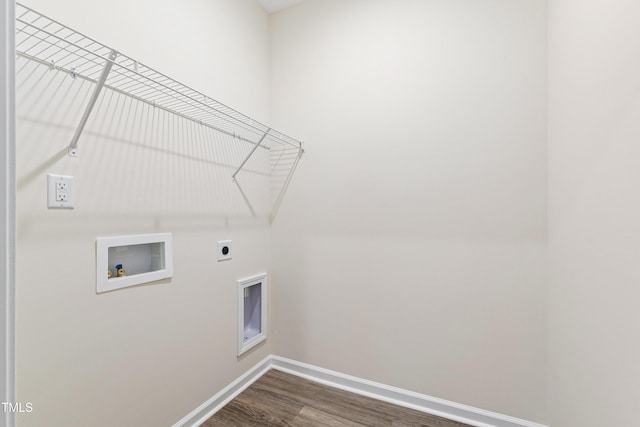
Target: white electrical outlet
{"points": [[60, 191], [224, 250]]}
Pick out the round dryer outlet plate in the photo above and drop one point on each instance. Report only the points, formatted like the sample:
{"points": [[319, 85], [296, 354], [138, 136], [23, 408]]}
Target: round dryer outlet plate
{"points": [[225, 250]]}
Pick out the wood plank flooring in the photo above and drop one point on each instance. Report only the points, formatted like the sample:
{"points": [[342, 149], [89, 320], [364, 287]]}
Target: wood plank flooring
{"points": [[280, 399]]}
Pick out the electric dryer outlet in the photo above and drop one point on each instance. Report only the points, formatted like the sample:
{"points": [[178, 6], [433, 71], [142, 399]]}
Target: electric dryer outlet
{"points": [[224, 250]]}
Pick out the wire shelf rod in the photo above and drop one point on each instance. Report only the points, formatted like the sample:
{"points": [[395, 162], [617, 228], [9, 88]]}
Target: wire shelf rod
{"points": [[147, 102], [40, 37], [60, 39], [51, 21], [179, 99]]}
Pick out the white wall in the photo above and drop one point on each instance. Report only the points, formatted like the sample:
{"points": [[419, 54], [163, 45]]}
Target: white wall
{"points": [[411, 247], [146, 355], [594, 206]]}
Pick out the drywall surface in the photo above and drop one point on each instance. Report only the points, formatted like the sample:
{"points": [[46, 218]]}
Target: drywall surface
{"points": [[150, 354], [411, 247], [594, 206]]}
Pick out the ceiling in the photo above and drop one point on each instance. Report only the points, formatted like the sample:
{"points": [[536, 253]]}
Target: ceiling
{"points": [[276, 5]]}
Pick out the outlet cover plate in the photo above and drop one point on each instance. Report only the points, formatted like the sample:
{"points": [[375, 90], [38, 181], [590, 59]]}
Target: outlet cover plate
{"points": [[225, 250], [60, 191]]}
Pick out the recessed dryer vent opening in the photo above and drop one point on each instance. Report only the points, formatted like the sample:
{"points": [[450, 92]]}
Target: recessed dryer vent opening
{"points": [[252, 312]]}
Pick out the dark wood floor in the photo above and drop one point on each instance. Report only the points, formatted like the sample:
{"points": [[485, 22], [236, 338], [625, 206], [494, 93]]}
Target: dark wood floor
{"points": [[280, 399]]}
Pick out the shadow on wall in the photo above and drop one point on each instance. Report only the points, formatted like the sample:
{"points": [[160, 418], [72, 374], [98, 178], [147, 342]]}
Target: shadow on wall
{"points": [[137, 162]]}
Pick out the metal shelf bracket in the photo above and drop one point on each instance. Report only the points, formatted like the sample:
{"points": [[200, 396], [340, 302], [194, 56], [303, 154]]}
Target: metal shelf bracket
{"points": [[73, 146], [255, 147]]}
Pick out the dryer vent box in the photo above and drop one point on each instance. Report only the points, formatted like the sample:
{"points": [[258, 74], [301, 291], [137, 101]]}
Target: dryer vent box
{"points": [[252, 312]]}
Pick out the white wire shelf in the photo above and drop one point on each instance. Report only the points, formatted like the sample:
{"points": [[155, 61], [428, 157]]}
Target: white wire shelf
{"points": [[48, 42]]}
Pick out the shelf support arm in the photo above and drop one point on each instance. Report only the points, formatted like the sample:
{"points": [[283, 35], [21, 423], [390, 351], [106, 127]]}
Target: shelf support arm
{"points": [[250, 154], [73, 146]]}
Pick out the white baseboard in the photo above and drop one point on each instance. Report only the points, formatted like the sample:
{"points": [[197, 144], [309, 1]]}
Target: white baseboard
{"points": [[421, 402], [397, 396], [224, 396]]}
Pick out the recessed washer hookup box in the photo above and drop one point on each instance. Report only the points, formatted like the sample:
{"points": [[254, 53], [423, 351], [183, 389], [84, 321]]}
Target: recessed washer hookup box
{"points": [[124, 261]]}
